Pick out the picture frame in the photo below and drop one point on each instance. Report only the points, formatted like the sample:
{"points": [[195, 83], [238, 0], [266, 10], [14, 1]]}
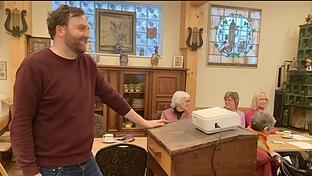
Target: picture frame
{"points": [[287, 64], [35, 44], [114, 27], [177, 61], [3, 70]]}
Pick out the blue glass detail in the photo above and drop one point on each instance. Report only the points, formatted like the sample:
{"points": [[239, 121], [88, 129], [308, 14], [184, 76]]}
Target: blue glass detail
{"points": [[234, 36], [88, 7], [114, 7], [141, 25], [141, 12], [153, 13]]}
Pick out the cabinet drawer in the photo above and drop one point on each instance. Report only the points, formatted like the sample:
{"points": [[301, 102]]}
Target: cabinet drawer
{"points": [[159, 154]]}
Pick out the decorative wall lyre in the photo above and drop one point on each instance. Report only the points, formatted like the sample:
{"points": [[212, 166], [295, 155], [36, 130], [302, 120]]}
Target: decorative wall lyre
{"points": [[17, 17], [196, 36]]}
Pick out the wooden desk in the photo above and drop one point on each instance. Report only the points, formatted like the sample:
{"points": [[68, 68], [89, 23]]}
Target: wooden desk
{"points": [[179, 149], [98, 143], [285, 146]]}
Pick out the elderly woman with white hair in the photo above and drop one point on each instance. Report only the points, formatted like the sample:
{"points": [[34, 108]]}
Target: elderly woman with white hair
{"points": [[179, 107]]}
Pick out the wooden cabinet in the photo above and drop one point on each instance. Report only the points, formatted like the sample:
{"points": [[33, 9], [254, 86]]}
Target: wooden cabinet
{"points": [[179, 149], [148, 91]]}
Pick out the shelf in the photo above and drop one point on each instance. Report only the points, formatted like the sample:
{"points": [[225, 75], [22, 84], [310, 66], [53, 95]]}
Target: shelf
{"points": [[133, 92]]}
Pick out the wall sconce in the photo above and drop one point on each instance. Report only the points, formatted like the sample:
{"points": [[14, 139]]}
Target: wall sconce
{"points": [[16, 17], [196, 35]]}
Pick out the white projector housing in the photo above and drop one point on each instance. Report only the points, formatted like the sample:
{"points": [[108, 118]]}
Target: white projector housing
{"points": [[206, 119]]}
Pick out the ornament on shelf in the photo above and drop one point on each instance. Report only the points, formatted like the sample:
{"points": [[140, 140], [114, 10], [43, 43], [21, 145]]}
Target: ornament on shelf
{"points": [[155, 57], [308, 19]]}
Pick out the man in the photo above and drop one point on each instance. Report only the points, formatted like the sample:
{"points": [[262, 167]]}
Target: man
{"points": [[52, 128]]}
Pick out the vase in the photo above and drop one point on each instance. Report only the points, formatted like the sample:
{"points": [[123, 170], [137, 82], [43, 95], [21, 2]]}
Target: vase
{"points": [[155, 57], [123, 58], [155, 60]]}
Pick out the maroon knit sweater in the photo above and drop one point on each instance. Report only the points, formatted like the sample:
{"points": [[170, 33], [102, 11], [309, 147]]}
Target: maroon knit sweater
{"points": [[53, 120]]}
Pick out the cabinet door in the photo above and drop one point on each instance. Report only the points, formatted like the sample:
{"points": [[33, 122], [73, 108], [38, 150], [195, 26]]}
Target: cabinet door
{"points": [[134, 88], [165, 83]]}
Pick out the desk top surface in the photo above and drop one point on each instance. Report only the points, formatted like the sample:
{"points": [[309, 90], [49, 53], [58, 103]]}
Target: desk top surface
{"points": [[279, 144], [182, 135]]}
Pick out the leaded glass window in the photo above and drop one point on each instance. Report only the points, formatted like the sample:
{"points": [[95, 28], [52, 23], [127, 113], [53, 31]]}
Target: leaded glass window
{"points": [[234, 36], [147, 17]]}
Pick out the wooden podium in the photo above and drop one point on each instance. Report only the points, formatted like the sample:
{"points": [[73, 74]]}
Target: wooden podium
{"points": [[179, 149]]}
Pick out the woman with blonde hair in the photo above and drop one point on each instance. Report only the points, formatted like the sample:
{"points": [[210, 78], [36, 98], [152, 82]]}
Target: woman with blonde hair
{"points": [[259, 103], [179, 107], [231, 100]]}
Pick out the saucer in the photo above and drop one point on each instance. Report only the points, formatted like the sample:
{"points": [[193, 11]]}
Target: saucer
{"points": [[112, 141], [287, 137]]}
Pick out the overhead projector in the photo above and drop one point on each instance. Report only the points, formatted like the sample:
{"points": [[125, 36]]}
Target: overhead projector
{"points": [[216, 119]]}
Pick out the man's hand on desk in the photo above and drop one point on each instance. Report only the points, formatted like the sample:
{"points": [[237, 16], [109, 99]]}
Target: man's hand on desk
{"points": [[38, 174]]}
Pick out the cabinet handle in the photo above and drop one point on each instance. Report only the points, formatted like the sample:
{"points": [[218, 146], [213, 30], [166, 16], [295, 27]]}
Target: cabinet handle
{"points": [[154, 151]]}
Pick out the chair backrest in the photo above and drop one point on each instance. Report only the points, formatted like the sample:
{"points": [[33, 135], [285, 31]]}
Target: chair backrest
{"points": [[100, 125], [122, 160]]}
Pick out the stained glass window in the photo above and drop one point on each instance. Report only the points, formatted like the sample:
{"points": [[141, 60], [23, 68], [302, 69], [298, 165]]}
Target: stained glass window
{"points": [[234, 36], [147, 17]]}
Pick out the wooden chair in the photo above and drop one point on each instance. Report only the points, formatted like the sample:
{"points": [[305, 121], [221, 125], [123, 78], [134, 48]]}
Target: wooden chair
{"points": [[122, 159]]}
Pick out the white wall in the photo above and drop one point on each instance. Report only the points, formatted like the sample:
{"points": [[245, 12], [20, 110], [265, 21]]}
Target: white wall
{"points": [[278, 42], [5, 88]]}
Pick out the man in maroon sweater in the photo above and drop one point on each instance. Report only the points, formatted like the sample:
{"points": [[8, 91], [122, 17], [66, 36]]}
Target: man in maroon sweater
{"points": [[53, 122]]}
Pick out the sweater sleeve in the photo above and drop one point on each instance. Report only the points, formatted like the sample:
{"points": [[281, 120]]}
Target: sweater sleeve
{"points": [[110, 96], [27, 91]]}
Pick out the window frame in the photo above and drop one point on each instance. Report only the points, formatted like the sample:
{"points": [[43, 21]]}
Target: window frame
{"points": [[209, 41]]}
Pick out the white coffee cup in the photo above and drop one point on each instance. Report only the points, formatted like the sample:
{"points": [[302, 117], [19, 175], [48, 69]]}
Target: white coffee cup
{"points": [[108, 138], [287, 134]]}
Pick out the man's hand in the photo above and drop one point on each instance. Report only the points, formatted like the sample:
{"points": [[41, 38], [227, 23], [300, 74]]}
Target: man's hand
{"points": [[38, 174], [155, 123]]}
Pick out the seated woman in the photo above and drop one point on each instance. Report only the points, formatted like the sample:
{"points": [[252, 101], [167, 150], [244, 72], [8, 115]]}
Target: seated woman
{"points": [[231, 100], [259, 103], [179, 107], [267, 160]]}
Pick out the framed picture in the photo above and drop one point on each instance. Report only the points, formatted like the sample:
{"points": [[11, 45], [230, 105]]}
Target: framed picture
{"points": [[3, 70], [35, 44], [115, 27], [178, 61], [287, 66]]}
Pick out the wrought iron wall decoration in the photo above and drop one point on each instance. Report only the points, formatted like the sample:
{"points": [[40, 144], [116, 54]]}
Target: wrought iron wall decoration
{"points": [[16, 17], [195, 35]]}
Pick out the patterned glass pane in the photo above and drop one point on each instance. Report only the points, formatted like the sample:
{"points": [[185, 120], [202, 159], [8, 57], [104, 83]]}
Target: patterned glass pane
{"points": [[239, 60], [255, 36], [114, 7], [91, 21], [101, 5], [255, 14], [152, 24], [212, 36], [228, 12], [225, 59], [92, 34], [149, 50], [217, 11], [141, 38], [128, 8], [256, 25], [153, 13], [88, 7], [244, 13], [74, 3], [214, 58], [153, 41], [215, 20], [140, 50], [141, 25], [252, 60], [141, 12], [56, 4]]}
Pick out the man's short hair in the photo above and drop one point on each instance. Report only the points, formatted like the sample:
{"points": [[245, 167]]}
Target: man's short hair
{"points": [[60, 16]]}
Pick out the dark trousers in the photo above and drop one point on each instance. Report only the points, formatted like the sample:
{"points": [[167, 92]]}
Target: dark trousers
{"points": [[89, 168]]}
